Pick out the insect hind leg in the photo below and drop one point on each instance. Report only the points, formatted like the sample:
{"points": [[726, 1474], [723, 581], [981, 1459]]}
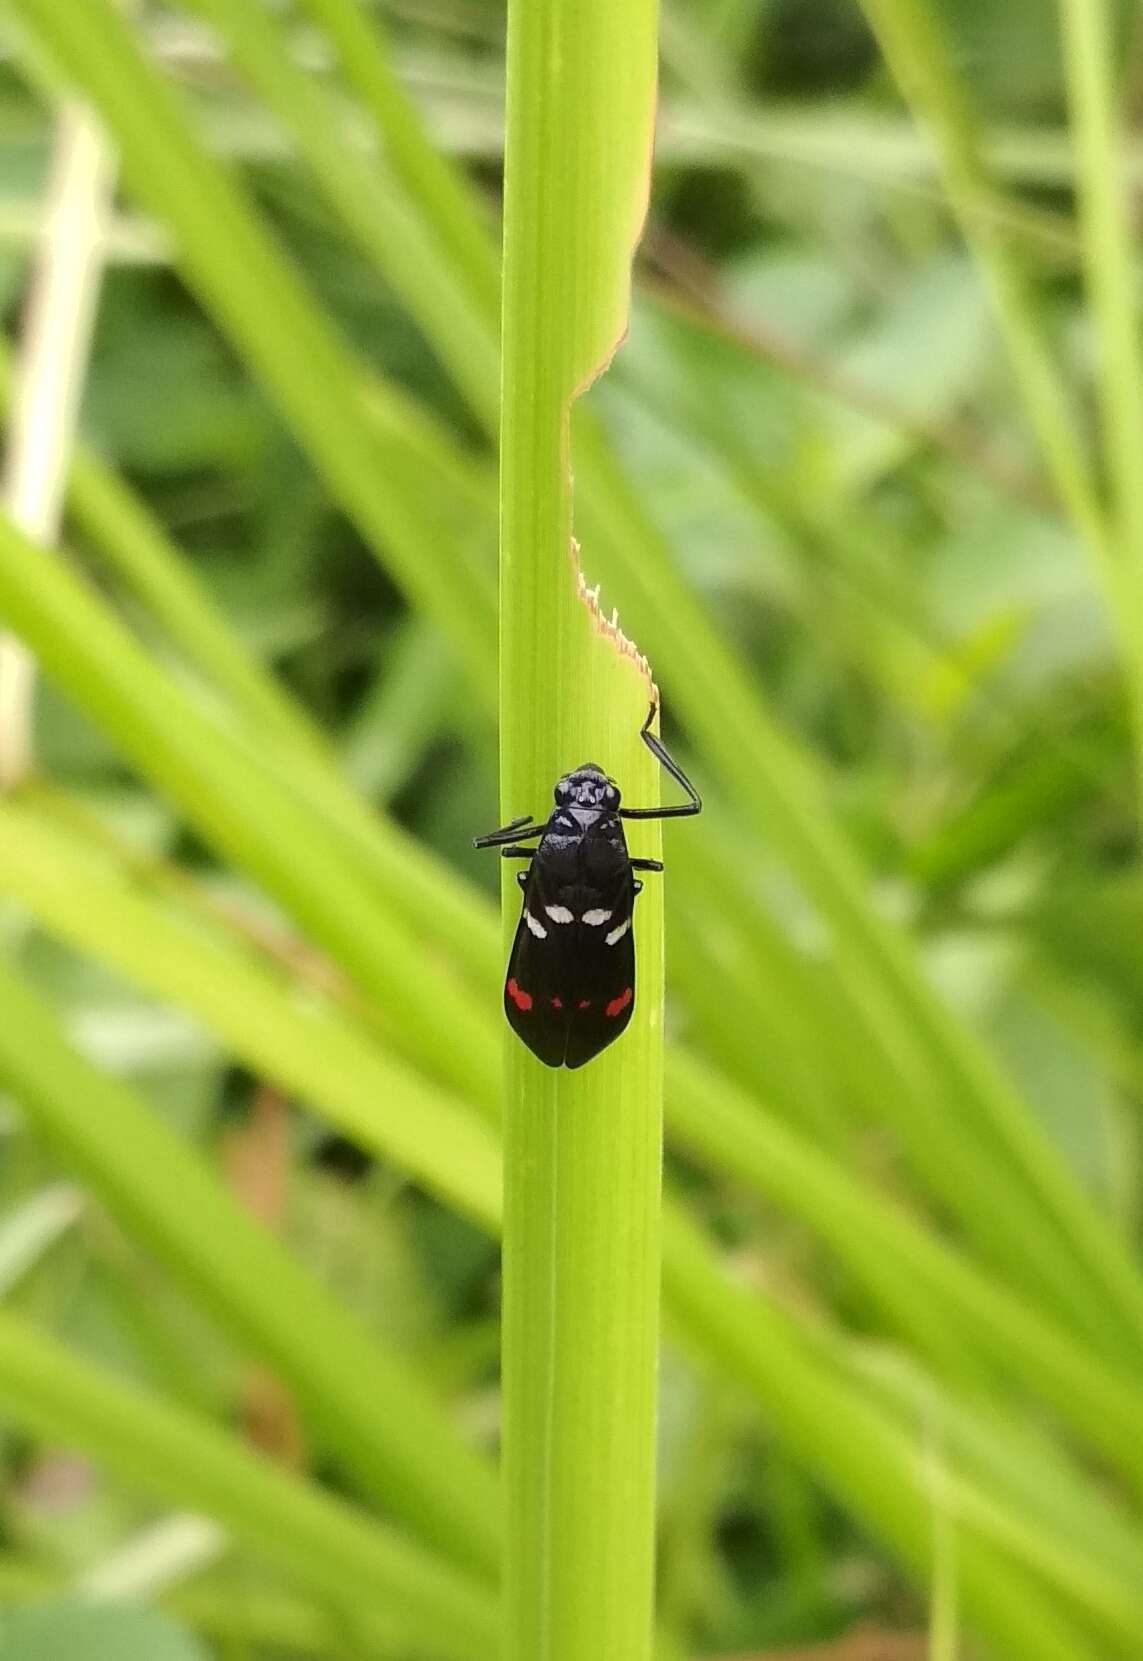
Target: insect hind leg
{"points": [[678, 810]]}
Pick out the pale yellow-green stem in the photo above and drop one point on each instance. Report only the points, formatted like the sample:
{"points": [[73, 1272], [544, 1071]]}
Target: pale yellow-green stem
{"points": [[56, 333], [582, 1160]]}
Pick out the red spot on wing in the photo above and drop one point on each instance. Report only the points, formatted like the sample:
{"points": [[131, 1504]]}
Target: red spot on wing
{"points": [[556, 1003], [584, 1003], [617, 1005], [522, 1000]]}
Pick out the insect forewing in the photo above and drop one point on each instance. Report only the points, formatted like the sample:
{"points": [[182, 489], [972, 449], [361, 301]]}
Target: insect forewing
{"points": [[570, 987]]}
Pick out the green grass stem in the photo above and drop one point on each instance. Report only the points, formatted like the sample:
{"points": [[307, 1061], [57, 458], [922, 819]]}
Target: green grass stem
{"points": [[582, 1150]]}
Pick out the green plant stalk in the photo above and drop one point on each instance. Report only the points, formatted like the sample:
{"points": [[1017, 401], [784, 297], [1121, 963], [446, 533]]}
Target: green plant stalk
{"points": [[322, 1544], [368, 1404], [582, 1150]]}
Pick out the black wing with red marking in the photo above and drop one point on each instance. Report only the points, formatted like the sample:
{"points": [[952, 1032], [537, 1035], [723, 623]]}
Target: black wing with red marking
{"points": [[570, 988]]}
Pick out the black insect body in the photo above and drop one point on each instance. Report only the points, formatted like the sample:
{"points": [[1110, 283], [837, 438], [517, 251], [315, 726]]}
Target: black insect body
{"points": [[570, 987]]}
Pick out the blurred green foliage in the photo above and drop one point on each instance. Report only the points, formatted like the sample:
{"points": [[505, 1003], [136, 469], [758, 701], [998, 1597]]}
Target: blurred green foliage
{"points": [[826, 443]]}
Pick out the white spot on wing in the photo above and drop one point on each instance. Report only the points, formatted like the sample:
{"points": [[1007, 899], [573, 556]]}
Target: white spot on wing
{"points": [[537, 929], [559, 914], [593, 919], [616, 935]]}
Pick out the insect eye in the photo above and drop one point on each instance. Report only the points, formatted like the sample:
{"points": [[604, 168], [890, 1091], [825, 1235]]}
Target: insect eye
{"points": [[563, 791], [611, 796]]}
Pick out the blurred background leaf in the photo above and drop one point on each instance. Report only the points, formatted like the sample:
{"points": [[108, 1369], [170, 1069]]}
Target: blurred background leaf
{"points": [[63, 1632], [860, 481]]}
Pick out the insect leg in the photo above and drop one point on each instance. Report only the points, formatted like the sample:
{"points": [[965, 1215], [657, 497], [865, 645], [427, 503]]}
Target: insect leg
{"points": [[506, 833], [679, 810], [646, 865], [517, 853]]}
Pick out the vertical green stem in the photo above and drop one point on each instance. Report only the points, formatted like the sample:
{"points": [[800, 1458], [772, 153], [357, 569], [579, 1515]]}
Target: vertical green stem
{"points": [[581, 1251]]}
